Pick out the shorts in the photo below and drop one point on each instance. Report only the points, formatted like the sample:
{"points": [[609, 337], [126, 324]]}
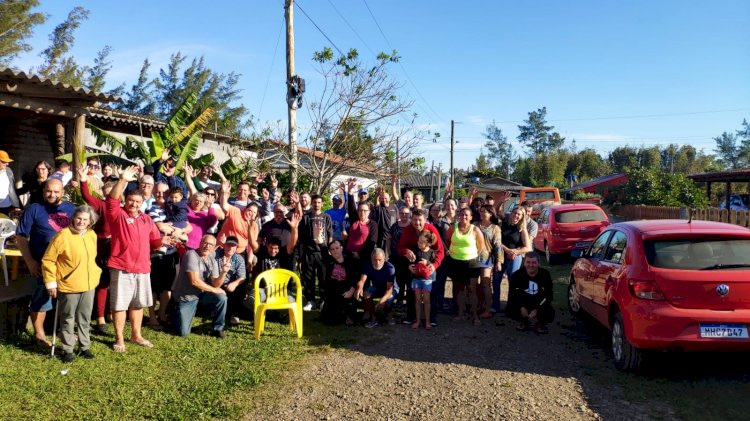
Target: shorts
{"points": [[40, 300], [484, 264], [129, 290], [376, 292], [163, 272], [461, 271], [421, 284]]}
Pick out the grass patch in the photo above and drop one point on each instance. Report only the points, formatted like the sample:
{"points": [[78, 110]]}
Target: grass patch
{"points": [[181, 378]]}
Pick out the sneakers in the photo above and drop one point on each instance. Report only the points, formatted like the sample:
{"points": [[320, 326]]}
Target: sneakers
{"points": [[371, 324], [309, 306], [218, 334], [433, 324], [391, 321], [87, 354], [101, 328], [66, 357], [234, 320]]}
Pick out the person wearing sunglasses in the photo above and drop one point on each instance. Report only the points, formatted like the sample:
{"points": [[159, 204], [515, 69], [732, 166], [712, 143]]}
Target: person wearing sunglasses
{"points": [[165, 171]]}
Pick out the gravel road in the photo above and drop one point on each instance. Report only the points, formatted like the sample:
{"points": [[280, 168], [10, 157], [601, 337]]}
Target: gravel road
{"points": [[459, 370]]}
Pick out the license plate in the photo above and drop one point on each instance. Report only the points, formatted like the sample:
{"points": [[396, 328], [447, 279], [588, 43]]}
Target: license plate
{"points": [[732, 331], [583, 244]]}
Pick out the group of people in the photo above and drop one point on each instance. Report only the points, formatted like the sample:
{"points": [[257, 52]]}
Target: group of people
{"points": [[147, 238]]}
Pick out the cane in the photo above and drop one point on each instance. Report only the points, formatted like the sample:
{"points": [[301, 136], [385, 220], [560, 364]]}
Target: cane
{"points": [[54, 331]]}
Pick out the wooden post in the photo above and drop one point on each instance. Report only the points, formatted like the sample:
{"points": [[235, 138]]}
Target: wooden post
{"points": [[729, 193], [79, 126], [291, 102], [58, 145]]}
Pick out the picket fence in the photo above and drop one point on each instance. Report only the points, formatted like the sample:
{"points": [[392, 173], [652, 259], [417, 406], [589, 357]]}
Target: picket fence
{"points": [[631, 212]]}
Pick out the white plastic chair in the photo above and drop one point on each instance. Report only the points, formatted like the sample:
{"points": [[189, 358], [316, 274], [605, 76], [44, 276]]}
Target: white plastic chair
{"points": [[7, 230]]}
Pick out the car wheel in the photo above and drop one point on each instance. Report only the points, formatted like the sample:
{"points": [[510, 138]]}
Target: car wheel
{"points": [[574, 299], [552, 259], [626, 356]]}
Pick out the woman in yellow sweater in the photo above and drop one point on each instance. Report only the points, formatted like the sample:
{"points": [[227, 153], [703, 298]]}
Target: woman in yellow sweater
{"points": [[71, 274]]}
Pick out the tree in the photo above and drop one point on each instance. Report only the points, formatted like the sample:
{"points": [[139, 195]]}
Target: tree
{"points": [[499, 150], [744, 136], [649, 157], [354, 119], [537, 135], [651, 186], [728, 151], [586, 165], [56, 65], [17, 24], [482, 167], [623, 158], [96, 75], [139, 100]]}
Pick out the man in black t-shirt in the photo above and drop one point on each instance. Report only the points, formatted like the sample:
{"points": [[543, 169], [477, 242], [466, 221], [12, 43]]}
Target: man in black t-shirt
{"points": [[530, 295], [285, 230], [316, 232]]}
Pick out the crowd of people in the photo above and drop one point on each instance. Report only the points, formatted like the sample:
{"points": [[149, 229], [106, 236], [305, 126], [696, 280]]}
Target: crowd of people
{"points": [[147, 238]]}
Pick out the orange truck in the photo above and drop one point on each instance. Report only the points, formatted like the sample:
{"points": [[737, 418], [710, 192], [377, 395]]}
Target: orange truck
{"points": [[540, 198]]}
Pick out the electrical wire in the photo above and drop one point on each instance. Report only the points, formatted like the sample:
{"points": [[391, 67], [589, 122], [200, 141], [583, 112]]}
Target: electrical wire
{"points": [[270, 69], [352, 28], [434, 113], [318, 27]]}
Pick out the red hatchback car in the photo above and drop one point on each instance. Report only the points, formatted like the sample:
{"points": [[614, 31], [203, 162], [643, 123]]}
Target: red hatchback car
{"points": [[568, 229], [666, 285]]}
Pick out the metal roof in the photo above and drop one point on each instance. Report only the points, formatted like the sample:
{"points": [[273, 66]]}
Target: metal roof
{"points": [[11, 78], [594, 182], [741, 175]]}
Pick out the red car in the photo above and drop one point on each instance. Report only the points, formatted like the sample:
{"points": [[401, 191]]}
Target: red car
{"points": [[568, 229], [666, 285]]}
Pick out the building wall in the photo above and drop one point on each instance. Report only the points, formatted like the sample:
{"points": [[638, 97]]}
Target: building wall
{"points": [[27, 139]]}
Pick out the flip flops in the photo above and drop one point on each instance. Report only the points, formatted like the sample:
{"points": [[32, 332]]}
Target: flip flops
{"points": [[118, 348], [143, 342]]}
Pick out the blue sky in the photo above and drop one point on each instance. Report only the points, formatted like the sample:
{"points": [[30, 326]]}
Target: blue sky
{"points": [[609, 73]]}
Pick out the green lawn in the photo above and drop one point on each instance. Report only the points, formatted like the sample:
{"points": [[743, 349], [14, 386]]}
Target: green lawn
{"points": [[181, 378]]}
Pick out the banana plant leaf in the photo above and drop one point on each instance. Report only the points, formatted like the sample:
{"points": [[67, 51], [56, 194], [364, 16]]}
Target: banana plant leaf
{"points": [[180, 118]]}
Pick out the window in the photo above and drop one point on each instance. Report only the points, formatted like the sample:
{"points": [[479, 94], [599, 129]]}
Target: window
{"points": [[584, 215], [536, 195], [695, 254], [597, 249], [616, 249]]}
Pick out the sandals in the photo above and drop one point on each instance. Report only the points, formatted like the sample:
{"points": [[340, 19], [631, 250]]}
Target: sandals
{"points": [[428, 326], [415, 325], [457, 318], [118, 348], [486, 315], [476, 322], [143, 342]]}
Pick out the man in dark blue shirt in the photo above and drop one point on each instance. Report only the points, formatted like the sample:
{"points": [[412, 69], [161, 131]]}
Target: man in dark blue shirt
{"points": [[381, 275]]}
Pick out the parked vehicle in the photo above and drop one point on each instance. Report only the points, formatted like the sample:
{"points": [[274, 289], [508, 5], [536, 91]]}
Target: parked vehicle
{"points": [[738, 202], [568, 230], [540, 197], [666, 285]]}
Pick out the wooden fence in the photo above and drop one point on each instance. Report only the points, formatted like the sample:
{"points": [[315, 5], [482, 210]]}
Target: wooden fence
{"points": [[630, 212]]}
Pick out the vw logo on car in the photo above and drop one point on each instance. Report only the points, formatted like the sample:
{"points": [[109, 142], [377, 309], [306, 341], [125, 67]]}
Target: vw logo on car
{"points": [[722, 290]]}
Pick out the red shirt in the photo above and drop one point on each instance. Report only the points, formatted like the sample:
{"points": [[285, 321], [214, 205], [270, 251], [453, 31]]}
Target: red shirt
{"points": [[409, 241], [133, 238], [102, 226]]}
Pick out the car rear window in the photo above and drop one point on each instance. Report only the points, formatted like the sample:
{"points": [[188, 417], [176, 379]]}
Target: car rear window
{"points": [[584, 215], [534, 195], [699, 254]]}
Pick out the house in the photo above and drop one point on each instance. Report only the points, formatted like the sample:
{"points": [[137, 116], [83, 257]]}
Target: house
{"points": [[429, 185], [492, 186], [602, 186]]}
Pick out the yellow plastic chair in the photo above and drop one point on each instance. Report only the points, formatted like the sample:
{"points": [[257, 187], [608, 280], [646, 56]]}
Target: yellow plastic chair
{"points": [[277, 298]]}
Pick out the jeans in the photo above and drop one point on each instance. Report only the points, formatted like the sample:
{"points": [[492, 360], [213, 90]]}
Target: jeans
{"points": [[185, 311], [509, 266]]}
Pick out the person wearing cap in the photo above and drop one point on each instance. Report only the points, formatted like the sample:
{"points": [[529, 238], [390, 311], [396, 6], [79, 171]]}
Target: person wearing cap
{"points": [[8, 197], [338, 213], [200, 282], [164, 170], [234, 284], [362, 195]]}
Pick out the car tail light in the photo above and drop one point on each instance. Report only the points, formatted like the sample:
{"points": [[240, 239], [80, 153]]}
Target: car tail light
{"points": [[646, 290]]}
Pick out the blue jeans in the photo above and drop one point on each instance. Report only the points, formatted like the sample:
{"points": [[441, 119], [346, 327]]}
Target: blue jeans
{"points": [[185, 311], [509, 266]]}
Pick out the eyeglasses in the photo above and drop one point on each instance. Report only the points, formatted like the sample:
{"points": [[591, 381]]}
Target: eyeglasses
{"points": [[209, 193], [206, 243], [405, 213], [94, 166], [147, 184]]}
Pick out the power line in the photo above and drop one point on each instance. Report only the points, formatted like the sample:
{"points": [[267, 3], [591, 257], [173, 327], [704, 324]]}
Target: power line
{"points": [[351, 27], [621, 117], [270, 69], [434, 114], [318, 27]]}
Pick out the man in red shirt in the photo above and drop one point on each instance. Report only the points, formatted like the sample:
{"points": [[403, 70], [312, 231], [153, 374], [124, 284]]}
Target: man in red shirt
{"points": [[406, 247], [134, 236]]}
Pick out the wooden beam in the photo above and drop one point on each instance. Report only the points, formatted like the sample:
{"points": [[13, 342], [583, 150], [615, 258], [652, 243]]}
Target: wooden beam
{"points": [[44, 92], [41, 106]]}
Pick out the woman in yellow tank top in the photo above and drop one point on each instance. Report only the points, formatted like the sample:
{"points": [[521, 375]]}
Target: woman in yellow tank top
{"points": [[465, 241]]}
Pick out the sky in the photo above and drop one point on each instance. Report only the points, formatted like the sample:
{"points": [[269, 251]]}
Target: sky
{"points": [[610, 73]]}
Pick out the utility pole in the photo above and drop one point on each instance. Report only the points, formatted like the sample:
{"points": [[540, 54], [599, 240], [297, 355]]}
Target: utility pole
{"points": [[291, 99], [439, 180], [453, 144], [432, 181]]}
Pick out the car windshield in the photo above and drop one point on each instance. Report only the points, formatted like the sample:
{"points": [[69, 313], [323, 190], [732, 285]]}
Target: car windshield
{"points": [[584, 215], [535, 195], [691, 254]]}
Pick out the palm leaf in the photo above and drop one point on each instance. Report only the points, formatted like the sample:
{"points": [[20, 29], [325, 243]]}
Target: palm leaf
{"points": [[203, 160], [196, 126], [105, 138], [180, 117]]}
